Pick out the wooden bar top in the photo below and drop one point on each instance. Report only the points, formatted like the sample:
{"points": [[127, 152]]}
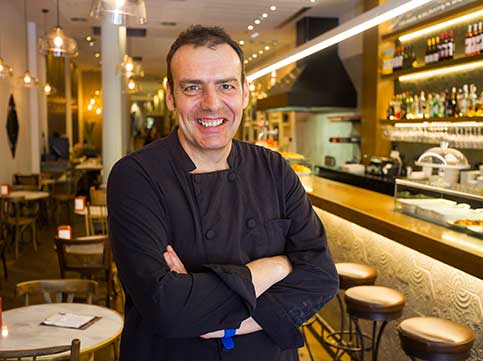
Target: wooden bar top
{"points": [[375, 212]]}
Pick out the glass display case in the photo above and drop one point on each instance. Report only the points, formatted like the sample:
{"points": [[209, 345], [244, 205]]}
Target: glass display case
{"points": [[302, 165], [458, 207]]}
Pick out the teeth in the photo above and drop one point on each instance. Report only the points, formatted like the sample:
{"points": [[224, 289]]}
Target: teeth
{"points": [[214, 123]]}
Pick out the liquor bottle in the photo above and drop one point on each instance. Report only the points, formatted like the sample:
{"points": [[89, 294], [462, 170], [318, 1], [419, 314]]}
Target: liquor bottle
{"points": [[468, 41], [416, 109], [480, 27], [472, 98], [422, 105], [459, 102], [451, 45], [454, 107], [442, 105], [427, 54], [435, 106], [464, 101], [437, 49], [479, 39], [448, 109], [443, 54]]}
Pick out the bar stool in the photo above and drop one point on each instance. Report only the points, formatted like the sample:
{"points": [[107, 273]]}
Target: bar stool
{"points": [[350, 275], [375, 303], [435, 339]]}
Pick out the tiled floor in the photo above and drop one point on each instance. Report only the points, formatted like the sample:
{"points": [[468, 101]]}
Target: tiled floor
{"points": [[43, 264]]}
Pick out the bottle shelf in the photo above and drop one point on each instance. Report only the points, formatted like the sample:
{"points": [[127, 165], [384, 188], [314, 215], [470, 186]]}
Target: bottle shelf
{"points": [[439, 65], [432, 120]]}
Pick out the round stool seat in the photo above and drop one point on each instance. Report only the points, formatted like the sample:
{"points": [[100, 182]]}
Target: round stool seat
{"points": [[355, 274], [374, 302], [425, 337]]}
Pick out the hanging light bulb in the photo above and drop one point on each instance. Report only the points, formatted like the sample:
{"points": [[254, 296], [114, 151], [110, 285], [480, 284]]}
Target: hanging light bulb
{"points": [[56, 43], [98, 111], [5, 70], [92, 101], [120, 11], [89, 107], [131, 85], [47, 89]]}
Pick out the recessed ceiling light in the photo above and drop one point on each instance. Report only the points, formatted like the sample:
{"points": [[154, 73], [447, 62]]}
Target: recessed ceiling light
{"points": [[260, 52], [97, 54], [241, 42], [250, 27], [254, 56], [91, 43], [250, 58], [89, 38], [267, 48], [246, 61], [264, 15], [273, 8], [257, 21]]}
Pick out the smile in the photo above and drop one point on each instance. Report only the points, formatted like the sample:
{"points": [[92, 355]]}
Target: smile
{"points": [[211, 122]]}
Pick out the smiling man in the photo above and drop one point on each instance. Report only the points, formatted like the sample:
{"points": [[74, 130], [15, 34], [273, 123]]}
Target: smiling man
{"points": [[219, 252]]}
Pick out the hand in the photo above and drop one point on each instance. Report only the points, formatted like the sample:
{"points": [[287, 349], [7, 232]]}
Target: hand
{"points": [[214, 334], [247, 326], [173, 261]]}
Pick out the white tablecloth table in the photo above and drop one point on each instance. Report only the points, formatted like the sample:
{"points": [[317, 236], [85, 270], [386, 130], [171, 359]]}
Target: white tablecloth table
{"points": [[26, 332]]}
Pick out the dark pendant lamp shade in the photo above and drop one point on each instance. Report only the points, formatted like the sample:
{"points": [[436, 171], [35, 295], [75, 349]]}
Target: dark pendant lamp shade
{"points": [[12, 126]]}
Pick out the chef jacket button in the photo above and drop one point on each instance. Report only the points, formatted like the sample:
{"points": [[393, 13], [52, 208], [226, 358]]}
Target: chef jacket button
{"points": [[231, 177], [251, 223], [210, 234]]}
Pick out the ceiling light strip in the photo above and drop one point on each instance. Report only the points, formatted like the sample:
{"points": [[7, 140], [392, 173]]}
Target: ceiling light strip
{"points": [[442, 71], [446, 24], [355, 26]]}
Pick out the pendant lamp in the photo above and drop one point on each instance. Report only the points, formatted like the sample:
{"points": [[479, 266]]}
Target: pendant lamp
{"points": [[48, 89], [56, 43], [6, 71], [120, 12], [29, 81]]}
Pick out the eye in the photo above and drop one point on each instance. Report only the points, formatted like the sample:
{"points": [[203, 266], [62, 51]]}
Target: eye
{"points": [[191, 89], [227, 87]]}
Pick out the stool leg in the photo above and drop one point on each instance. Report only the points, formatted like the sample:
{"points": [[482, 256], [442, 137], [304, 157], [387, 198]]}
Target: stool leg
{"points": [[360, 338], [375, 341], [342, 318], [309, 350]]}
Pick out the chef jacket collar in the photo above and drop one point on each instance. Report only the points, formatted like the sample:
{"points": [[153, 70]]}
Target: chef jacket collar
{"points": [[184, 161]]}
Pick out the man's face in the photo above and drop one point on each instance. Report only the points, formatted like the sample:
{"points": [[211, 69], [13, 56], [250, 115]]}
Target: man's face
{"points": [[207, 95]]}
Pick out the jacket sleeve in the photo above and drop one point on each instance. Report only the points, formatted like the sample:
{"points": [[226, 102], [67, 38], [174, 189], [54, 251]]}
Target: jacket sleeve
{"points": [[171, 304], [313, 282]]}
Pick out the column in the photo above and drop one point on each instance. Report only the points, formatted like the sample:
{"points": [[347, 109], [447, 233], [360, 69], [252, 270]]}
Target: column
{"points": [[44, 126], [33, 95], [68, 101], [113, 47]]}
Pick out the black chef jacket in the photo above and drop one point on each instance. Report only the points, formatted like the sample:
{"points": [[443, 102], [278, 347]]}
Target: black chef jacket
{"points": [[216, 222]]}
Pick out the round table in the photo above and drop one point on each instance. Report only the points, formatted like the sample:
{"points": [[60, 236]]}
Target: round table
{"points": [[26, 332], [29, 195]]}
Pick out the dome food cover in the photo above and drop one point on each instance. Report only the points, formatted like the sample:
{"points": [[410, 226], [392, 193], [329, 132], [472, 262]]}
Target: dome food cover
{"points": [[443, 157]]}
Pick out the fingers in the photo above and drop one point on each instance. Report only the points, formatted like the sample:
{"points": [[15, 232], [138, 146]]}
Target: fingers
{"points": [[173, 261]]}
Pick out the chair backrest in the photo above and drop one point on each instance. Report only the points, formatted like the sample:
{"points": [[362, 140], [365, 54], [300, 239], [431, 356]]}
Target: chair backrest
{"points": [[26, 181], [73, 348], [97, 197], [86, 255], [66, 186], [64, 290], [97, 219]]}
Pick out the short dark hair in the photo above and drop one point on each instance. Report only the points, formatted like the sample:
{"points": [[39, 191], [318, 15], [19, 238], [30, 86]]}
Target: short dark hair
{"points": [[209, 36]]}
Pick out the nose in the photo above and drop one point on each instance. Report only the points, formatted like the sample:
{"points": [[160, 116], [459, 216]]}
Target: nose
{"points": [[210, 99]]}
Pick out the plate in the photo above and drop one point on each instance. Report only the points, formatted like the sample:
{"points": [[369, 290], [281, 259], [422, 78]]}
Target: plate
{"points": [[476, 229]]}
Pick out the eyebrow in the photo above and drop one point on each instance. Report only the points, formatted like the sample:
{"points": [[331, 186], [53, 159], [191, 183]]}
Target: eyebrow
{"points": [[197, 81]]}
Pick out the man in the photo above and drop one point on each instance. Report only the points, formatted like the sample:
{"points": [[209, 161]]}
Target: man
{"points": [[218, 249]]}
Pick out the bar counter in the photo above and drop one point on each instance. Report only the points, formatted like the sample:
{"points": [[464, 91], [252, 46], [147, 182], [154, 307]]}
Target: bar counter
{"points": [[375, 212], [439, 271]]}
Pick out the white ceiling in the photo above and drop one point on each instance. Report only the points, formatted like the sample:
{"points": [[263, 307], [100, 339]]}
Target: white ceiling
{"points": [[233, 15]]}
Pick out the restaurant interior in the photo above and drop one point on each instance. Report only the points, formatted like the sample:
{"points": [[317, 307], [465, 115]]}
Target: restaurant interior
{"points": [[377, 105]]}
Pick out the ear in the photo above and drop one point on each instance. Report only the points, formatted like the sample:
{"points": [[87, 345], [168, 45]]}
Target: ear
{"points": [[246, 94], [170, 102]]}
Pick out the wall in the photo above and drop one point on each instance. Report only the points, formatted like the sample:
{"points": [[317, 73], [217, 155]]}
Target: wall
{"points": [[430, 287], [12, 33]]}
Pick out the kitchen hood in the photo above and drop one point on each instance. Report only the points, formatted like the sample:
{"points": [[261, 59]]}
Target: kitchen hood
{"points": [[319, 82]]}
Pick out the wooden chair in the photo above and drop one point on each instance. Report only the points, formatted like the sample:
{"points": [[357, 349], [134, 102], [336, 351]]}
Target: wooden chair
{"points": [[3, 247], [63, 195], [96, 219], [26, 182], [64, 289], [98, 197], [18, 221], [73, 348], [89, 256]]}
